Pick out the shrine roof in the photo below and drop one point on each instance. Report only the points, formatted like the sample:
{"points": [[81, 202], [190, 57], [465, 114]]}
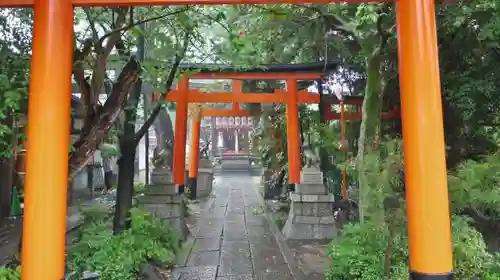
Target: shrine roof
{"points": [[314, 67]]}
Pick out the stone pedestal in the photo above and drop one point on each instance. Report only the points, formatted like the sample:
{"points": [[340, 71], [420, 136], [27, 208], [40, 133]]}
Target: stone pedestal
{"points": [[161, 198], [271, 192], [205, 178], [311, 215]]}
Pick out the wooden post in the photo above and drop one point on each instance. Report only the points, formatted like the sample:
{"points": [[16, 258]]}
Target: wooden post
{"points": [[44, 229], [292, 125], [424, 149], [180, 134]]}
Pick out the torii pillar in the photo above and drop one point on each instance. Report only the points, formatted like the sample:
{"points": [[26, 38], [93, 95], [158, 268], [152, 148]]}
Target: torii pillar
{"points": [[429, 226], [292, 125], [180, 135], [194, 152]]}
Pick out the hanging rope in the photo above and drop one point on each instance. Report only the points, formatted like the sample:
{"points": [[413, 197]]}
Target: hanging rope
{"points": [[343, 149]]}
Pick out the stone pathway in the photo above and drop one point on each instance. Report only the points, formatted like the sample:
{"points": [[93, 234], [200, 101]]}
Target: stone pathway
{"points": [[311, 257], [232, 238]]}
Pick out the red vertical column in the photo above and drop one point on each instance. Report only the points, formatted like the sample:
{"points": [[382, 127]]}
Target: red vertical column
{"points": [[424, 149], [292, 125], [194, 154], [44, 229], [180, 134]]}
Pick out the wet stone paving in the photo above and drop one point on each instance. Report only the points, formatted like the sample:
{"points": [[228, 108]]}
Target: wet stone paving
{"points": [[232, 239]]}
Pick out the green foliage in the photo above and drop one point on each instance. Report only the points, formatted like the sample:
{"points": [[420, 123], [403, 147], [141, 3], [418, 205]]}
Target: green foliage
{"points": [[15, 47], [120, 256], [474, 184], [10, 274], [139, 188], [358, 252]]}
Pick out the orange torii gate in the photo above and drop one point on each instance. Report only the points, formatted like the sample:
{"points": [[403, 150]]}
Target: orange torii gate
{"points": [[44, 224], [343, 116], [194, 152], [183, 95]]}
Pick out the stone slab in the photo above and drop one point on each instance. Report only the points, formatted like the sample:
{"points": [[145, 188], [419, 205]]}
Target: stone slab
{"points": [[310, 189], [297, 197], [305, 220], [235, 277], [281, 272], [161, 176], [325, 231], [204, 185], [213, 232], [257, 231], [235, 259], [161, 190], [234, 231], [195, 273], [204, 258], [206, 244], [235, 218], [311, 175], [206, 170], [265, 258]]}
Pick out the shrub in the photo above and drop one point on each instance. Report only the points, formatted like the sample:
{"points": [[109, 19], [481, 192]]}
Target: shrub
{"points": [[359, 253], [10, 274], [120, 257]]}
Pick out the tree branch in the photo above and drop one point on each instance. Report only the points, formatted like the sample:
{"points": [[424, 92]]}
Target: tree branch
{"points": [[170, 80], [99, 68], [384, 34], [124, 28], [79, 58], [86, 146], [95, 34]]}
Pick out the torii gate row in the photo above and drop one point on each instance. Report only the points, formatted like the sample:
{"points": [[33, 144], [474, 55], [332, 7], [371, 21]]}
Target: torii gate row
{"points": [[183, 95], [194, 152], [45, 208], [236, 96]]}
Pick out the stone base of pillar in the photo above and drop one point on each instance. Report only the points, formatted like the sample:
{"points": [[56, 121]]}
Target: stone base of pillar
{"points": [[162, 199], [205, 178], [311, 215]]}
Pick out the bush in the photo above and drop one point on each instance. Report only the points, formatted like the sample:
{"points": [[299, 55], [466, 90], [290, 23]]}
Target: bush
{"points": [[470, 255], [120, 257], [10, 274], [359, 253], [474, 184]]}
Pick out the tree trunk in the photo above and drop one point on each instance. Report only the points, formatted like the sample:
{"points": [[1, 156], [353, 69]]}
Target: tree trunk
{"points": [[370, 125], [7, 171], [126, 163], [125, 190], [5, 187], [86, 146], [126, 166]]}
